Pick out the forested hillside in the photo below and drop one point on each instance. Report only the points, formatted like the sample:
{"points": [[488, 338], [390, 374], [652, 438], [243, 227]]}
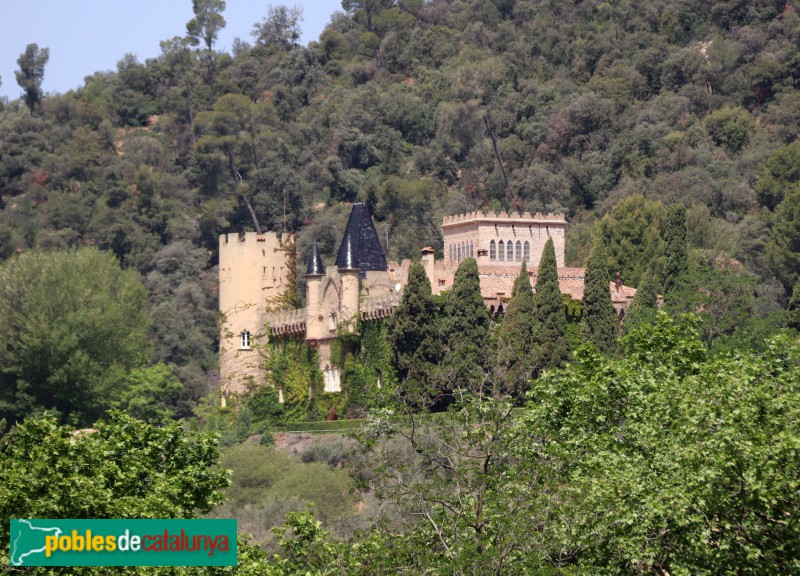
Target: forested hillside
{"points": [[608, 111]]}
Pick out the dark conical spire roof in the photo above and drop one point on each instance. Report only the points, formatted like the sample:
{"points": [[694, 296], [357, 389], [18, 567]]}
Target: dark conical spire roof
{"points": [[361, 249], [315, 266]]}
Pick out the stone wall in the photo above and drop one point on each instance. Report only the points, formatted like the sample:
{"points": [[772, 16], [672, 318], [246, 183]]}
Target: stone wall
{"points": [[253, 277]]}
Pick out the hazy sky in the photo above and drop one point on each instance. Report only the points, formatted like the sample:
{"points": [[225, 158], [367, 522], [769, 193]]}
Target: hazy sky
{"points": [[86, 36]]}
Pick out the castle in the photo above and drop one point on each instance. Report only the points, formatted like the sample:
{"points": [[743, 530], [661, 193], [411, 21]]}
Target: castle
{"points": [[257, 271]]}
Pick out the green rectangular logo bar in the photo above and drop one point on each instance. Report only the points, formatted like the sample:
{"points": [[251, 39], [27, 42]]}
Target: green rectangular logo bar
{"points": [[42, 542]]}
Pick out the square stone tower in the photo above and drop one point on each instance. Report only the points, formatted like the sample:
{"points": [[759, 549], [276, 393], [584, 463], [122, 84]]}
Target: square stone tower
{"points": [[255, 272], [502, 240]]}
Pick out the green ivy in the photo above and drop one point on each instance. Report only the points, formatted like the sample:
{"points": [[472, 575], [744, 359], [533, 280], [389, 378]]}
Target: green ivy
{"points": [[293, 367]]}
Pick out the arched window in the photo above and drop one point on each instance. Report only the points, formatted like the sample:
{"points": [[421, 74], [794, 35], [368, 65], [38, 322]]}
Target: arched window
{"points": [[502, 251], [518, 251], [451, 252], [492, 250], [471, 249], [510, 251], [245, 340], [526, 251]]}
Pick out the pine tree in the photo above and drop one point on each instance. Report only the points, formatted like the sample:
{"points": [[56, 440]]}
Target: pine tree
{"points": [[793, 311], [599, 320], [644, 307], [413, 331], [515, 337], [677, 261], [550, 328], [466, 329]]}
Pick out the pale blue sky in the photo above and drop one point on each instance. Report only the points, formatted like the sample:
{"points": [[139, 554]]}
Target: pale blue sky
{"points": [[86, 36]]}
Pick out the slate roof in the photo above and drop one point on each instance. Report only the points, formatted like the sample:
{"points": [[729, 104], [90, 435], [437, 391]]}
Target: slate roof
{"points": [[315, 266], [360, 248]]}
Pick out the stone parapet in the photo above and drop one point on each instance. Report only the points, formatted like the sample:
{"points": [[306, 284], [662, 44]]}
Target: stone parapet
{"points": [[287, 322], [504, 217], [380, 306]]}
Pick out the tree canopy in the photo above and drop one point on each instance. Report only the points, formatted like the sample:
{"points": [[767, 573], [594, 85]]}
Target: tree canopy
{"points": [[72, 326], [30, 75]]}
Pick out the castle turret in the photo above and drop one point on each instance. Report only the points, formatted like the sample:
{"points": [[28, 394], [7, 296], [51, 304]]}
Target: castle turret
{"points": [[360, 252], [315, 272], [349, 273]]}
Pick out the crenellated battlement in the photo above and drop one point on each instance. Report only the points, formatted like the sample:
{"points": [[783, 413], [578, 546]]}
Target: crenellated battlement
{"points": [[253, 240], [506, 217]]}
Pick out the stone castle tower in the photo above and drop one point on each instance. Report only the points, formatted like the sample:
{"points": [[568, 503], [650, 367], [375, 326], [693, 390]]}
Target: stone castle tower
{"points": [[255, 272]]}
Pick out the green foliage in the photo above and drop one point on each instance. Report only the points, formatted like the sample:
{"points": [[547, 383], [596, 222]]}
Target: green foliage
{"points": [[369, 377], [462, 474], [515, 336], [267, 483], [676, 448], [599, 320], [123, 469], [305, 546], [466, 329], [293, 368], [793, 310], [265, 407], [778, 175], [632, 232], [413, 332], [644, 307], [31, 73], [730, 128], [677, 259], [720, 296], [590, 105], [551, 345], [72, 327], [783, 250], [150, 394], [324, 426], [204, 29]]}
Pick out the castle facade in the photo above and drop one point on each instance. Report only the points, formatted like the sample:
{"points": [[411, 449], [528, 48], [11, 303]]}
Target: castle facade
{"points": [[361, 285]]}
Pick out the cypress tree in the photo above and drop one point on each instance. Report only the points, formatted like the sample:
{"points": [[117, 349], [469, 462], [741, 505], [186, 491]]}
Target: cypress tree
{"points": [[413, 330], [644, 307], [515, 336], [599, 320], [677, 261], [550, 328], [793, 311], [466, 329]]}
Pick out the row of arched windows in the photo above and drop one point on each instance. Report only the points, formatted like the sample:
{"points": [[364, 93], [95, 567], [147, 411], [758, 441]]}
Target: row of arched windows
{"points": [[461, 250], [510, 251]]}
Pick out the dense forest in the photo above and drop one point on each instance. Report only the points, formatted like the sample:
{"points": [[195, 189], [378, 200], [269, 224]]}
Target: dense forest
{"points": [[668, 132], [605, 111]]}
